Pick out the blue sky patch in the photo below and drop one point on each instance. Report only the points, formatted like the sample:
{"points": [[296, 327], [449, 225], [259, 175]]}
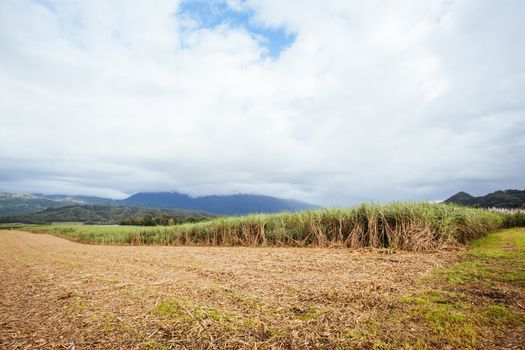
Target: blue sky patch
{"points": [[210, 14], [47, 4]]}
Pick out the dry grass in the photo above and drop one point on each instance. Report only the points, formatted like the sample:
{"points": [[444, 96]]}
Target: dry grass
{"points": [[61, 293], [56, 293]]}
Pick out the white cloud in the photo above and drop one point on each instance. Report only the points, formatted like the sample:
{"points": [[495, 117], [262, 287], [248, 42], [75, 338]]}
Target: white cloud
{"points": [[373, 101]]}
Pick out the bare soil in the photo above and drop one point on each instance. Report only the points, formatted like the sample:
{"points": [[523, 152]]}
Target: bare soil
{"points": [[55, 293]]}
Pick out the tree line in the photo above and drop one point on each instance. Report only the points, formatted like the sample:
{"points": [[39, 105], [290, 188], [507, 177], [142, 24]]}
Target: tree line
{"points": [[160, 220]]}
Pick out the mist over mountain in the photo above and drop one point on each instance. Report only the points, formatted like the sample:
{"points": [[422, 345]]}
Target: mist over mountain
{"points": [[237, 204]]}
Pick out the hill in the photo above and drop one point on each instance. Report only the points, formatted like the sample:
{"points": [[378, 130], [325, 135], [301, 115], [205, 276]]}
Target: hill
{"points": [[21, 203], [238, 204], [500, 199], [101, 214]]}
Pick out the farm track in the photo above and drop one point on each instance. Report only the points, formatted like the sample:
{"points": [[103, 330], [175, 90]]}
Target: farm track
{"points": [[55, 293]]}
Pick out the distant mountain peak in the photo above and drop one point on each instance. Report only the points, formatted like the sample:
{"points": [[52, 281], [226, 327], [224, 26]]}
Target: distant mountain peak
{"points": [[461, 194]]}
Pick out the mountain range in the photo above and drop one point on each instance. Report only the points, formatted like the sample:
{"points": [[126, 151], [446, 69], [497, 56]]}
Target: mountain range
{"points": [[12, 204], [99, 214], [238, 204], [500, 199]]}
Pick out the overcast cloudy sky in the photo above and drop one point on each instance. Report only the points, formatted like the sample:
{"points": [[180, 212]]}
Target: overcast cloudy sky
{"points": [[331, 102]]}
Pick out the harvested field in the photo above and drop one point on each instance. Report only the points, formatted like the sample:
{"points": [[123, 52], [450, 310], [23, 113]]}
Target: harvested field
{"points": [[55, 293]]}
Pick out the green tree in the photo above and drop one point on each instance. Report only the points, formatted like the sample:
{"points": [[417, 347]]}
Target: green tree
{"points": [[148, 220]]}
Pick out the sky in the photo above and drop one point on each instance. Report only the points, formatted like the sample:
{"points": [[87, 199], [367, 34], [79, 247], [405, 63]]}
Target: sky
{"points": [[330, 102]]}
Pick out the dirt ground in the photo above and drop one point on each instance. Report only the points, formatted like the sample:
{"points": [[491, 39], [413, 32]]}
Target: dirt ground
{"points": [[55, 293]]}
